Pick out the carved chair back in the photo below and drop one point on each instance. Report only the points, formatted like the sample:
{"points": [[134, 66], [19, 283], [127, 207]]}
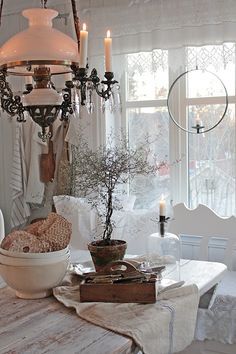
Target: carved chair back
{"points": [[206, 224]]}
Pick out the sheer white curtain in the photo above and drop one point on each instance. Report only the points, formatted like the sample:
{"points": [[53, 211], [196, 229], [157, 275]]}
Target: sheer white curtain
{"points": [[140, 25]]}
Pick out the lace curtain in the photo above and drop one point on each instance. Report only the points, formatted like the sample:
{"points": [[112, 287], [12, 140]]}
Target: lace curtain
{"points": [[141, 25]]}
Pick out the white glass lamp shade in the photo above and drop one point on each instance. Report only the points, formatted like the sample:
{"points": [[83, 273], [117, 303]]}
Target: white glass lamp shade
{"points": [[42, 97], [40, 42]]}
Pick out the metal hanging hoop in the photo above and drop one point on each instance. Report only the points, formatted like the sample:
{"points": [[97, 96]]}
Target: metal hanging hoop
{"points": [[198, 129]]}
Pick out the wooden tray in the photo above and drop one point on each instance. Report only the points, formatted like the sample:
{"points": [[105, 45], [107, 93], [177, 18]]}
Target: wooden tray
{"points": [[127, 290]]}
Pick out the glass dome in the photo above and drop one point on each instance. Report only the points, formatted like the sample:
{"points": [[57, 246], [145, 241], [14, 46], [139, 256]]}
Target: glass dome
{"points": [[164, 250]]}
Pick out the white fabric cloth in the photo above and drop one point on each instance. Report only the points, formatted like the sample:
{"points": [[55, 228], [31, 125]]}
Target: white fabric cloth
{"points": [[133, 226], [34, 147], [25, 174], [58, 142], [160, 328], [73, 134], [218, 322], [20, 209], [82, 217]]}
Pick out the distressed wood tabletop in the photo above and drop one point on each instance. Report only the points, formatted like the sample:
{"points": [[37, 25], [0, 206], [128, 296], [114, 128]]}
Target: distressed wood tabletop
{"points": [[46, 326]]}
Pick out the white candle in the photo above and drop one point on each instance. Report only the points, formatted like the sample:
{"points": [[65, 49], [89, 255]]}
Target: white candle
{"points": [[108, 52], [28, 80], [162, 207], [198, 121], [83, 47], [68, 77]]}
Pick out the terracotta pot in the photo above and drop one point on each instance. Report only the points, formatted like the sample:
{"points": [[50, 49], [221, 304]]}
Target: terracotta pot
{"points": [[103, 253]]}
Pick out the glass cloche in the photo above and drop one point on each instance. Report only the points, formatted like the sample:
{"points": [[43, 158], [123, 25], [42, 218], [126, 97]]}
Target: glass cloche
{"points": [[164, 248]]}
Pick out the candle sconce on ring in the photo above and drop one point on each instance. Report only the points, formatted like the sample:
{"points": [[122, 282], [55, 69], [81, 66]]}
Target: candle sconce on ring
{"points": [[198, 128]]}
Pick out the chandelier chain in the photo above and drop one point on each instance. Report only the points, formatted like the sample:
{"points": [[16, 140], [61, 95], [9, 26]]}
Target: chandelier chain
{"points": [[1, 7], [76, 21], [44, 4]]}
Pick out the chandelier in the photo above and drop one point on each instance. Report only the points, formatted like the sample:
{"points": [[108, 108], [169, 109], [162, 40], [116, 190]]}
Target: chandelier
{"points": [[41, 53]]}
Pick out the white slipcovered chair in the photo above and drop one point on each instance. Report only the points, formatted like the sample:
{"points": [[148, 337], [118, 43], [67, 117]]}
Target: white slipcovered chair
{"points": [[209, 237], [132, 225]]}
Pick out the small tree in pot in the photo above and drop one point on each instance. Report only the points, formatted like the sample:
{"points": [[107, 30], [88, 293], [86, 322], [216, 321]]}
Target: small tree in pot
{"points": [[98, 174]]}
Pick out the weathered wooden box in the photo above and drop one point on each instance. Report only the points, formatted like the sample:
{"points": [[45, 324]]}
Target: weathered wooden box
{"points": [[144, 292]]}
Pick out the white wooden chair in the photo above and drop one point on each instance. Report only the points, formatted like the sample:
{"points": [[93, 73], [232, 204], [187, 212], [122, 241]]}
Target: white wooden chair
{"points": [[204, 225]]}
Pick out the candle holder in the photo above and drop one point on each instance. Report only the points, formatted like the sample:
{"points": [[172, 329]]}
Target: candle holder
{"points": [[198, 128], [164, 250], [81, 79], [83, 83], [28, 89], [162, 224], [66, 106]]}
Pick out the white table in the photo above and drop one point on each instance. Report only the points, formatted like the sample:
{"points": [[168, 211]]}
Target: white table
{"points": [[45, 325], [204, 274]]}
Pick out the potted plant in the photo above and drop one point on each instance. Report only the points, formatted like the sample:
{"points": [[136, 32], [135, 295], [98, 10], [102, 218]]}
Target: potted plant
{"points": [[98, 176]]}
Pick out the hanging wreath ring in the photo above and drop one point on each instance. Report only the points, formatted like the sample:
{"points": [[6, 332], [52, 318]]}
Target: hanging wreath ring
{"points": [[198, 128]]}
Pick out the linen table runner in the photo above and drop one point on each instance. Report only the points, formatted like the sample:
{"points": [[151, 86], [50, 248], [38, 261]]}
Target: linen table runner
{"points": [[162, 328]]}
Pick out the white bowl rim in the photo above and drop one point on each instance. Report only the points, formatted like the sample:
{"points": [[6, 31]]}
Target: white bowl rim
{"points": [[34, 254], [31, 266], [18, 262]]}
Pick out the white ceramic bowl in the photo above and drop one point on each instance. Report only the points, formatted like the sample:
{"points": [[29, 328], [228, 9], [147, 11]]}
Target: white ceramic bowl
{"points": [[15, 261], [34, 282], [34, 255]]}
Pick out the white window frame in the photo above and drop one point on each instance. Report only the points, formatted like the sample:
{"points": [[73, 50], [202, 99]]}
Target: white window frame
{"points": [[178, 139]]}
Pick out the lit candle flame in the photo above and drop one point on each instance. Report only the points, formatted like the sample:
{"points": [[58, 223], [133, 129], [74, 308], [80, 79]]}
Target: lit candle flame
{"points": [[108, 34], [84, 27]]}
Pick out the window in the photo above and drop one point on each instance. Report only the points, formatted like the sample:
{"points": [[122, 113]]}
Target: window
{"points": [[147, 116], [212, 156], [192, 168]]}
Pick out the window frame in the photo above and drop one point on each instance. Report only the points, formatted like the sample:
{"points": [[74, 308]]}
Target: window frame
{"points": [[178, 139]]}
